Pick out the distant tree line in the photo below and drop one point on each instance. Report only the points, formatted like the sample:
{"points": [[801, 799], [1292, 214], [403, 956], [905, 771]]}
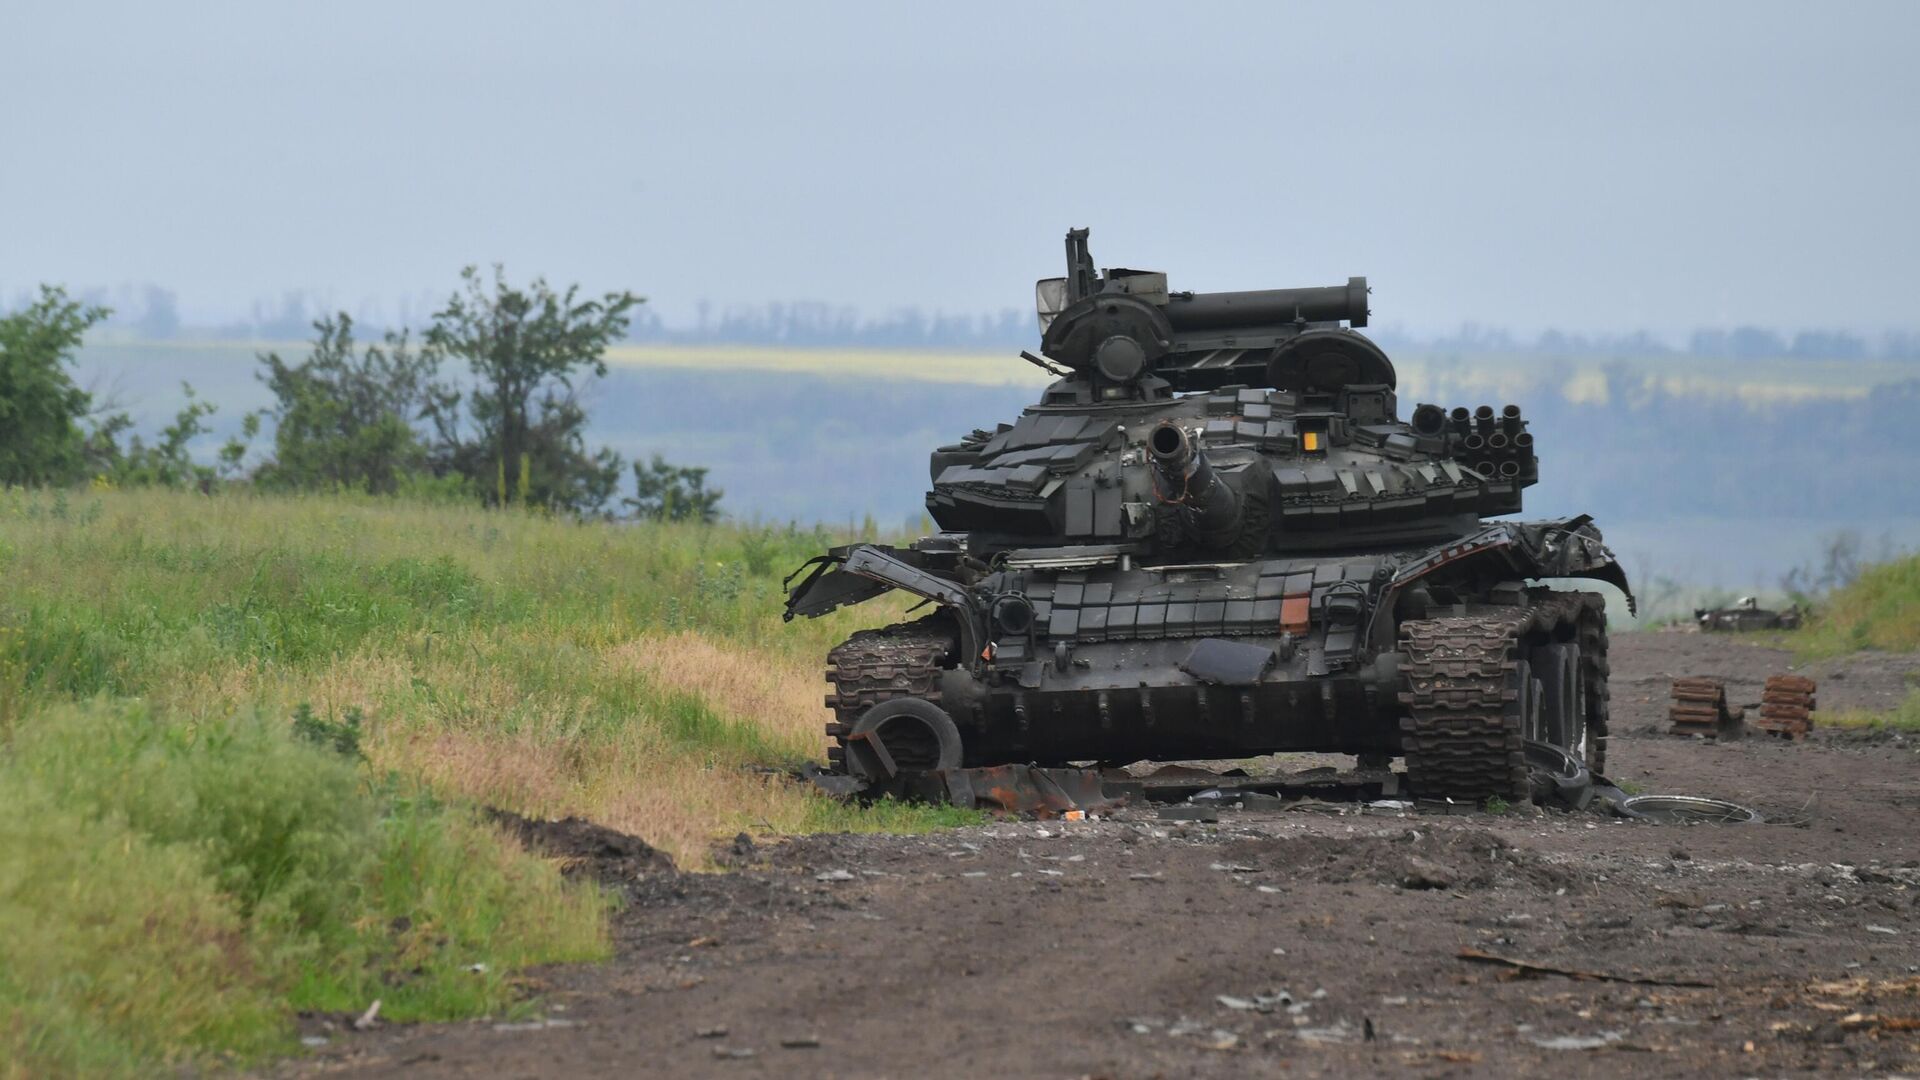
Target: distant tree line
{"points": [[820, 324], [375, 417], [152, 312], [1741, 342]]}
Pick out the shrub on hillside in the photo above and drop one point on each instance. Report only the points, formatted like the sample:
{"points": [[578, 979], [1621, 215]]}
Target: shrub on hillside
{"points": [[116, 952], [317, 884], [1880, 609]]}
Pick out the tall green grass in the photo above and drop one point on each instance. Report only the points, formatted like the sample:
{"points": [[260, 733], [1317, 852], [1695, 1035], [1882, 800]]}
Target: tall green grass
{"points": [[1879, 610], [171, 892], [182, 869]]}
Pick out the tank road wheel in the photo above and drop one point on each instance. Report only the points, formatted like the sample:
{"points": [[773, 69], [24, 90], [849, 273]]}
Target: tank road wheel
{"points": [[901, 738], [902, 661], [1478, 686], [1563, 698]]}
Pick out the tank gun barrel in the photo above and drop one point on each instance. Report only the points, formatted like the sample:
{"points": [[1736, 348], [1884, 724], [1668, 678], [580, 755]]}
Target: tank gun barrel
{"points": [[1185, 477], [1264, 307]]}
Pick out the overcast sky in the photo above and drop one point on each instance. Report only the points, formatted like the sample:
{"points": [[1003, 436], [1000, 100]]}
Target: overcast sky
{"points": [[1611, 167]]}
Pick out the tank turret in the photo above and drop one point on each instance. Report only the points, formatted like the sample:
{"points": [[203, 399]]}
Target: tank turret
{"points": [[1289, 413]]}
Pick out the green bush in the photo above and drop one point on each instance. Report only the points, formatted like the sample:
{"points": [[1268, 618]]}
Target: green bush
{"points": [[261, 868], [116, 953], [1879, 610], [280, 828]]}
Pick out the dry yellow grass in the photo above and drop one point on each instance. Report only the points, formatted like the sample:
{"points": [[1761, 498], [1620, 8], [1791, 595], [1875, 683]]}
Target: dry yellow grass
{"points": [[638, 676], [784, 698]]}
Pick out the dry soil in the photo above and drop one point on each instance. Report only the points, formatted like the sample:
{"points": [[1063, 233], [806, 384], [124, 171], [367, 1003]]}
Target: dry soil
{"points": [[1324, 940]]}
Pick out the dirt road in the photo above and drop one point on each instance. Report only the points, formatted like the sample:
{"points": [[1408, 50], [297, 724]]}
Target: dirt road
{"points": [[1297, 942]]}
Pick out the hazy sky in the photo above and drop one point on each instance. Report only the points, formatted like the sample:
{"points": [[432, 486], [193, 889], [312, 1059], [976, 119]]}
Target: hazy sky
{"points": [[1606, 167]]}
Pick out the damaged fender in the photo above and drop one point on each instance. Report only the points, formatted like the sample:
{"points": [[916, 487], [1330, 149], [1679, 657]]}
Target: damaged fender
{"points": [[859, 572], [1532, 549]]}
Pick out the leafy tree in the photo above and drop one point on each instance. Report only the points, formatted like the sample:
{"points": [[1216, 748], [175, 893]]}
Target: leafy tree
{"points": [[520, 435], [41, 438], [664, 492], [168, 461], [344, 420]]}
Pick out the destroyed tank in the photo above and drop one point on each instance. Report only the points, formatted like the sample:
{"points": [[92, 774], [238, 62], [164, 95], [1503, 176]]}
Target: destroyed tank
{"points": [[1746, 616], [1214, 537]]}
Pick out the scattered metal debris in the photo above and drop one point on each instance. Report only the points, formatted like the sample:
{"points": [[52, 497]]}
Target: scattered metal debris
{"points": [[1786, 706], [1184, 793], [1556, 775], [1021, 789], [1688, 810], [1527, 967], [1700, 708]]}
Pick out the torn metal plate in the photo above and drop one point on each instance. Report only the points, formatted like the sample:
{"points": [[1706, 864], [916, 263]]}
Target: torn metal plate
{"points": [[1026, 789], [1227, 663]]}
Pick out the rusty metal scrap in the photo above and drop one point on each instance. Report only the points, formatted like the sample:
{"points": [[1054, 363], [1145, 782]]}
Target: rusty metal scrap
{"points": [[1025, 789], [1786, 706], [1700, 708]]}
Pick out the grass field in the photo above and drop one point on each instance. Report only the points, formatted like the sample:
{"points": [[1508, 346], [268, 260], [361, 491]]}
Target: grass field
{"points": [[1904, 717], [1880, 611], [180, 870]]}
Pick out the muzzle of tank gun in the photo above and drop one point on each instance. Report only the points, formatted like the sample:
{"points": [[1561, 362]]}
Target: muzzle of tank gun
{"points": [[1183, 476]]}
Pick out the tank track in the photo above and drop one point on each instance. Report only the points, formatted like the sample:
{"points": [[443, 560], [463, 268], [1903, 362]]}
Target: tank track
{"points": [[902, 660], [1462, 738]]}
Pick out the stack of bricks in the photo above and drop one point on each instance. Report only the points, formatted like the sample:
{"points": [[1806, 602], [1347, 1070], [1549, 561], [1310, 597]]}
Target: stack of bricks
{"points": [[1786, 706], [1700, 708]]}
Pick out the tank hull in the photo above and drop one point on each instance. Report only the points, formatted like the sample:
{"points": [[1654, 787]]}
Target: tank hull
{"points": [[1134, 702]]}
